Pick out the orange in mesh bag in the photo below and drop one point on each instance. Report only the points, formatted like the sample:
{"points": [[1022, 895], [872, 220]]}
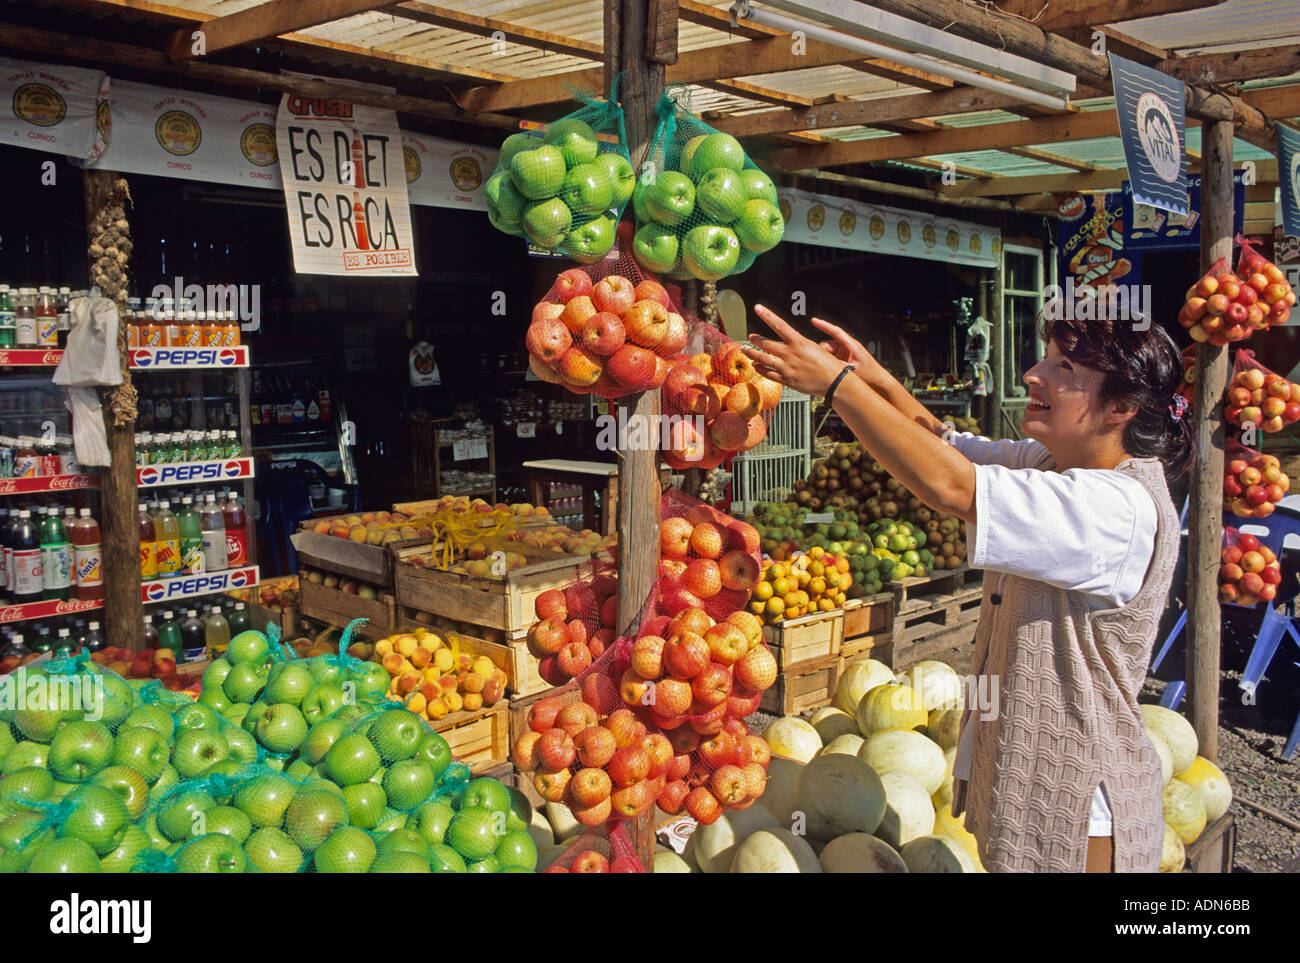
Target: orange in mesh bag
{"points": [[1249, 572], [1260, 397]]}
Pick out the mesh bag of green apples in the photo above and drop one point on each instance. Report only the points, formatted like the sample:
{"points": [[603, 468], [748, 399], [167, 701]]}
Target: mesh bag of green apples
{"points": [[564, 185], [703, 208]]}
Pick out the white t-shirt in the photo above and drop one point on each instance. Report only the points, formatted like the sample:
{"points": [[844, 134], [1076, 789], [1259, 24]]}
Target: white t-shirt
{"points": [[1089, 530]]}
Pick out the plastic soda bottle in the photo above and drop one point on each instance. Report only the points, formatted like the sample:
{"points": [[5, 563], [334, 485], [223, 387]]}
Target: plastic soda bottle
{"points": [[25, 335], [63, 643], [27, 579], [236, 531], [191, 535], [238, 620], [169, 636], [149, 634], [214, 536], [87, 558], [8, 333], [191, 330], [213, 329], [216, 633], [148, 546], [47, 319], [56, 558], [167, 537], [193, 641], [233, 448], [94, 638]]}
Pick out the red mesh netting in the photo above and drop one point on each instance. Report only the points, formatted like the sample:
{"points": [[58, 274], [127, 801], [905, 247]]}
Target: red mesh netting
{"points": [[1259, 397], [1253, 483], [603, 849], [1249, 571], [575, 624], [1208, 311], [1272, 291]]}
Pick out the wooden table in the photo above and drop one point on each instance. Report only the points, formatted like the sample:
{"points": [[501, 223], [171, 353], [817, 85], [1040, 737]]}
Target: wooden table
{"points": [[590, 476]]}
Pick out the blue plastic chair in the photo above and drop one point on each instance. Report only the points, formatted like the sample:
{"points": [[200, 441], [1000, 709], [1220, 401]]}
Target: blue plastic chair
{"points": [[1279, 620], [284, 492]]}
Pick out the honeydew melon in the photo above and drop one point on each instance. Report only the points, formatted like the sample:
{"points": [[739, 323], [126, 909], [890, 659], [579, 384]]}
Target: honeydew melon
{"points": [[775, 851], [935, 854], [1212, 785], [860, 853], [1176, 732], [857, 679], [1172, 854], [942, 797], [938, 684], [715, 844], [782, 782], [954, 827], [831, 723], [849, 744], [1166, 758], [904, 750], [908, 811], [944, 726], [562, 821], [1184, 810], [792, 738], [840, 794], [890, 707], [669, 862]]}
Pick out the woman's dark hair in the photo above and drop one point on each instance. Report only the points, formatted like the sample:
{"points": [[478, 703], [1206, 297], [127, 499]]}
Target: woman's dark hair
{"points": [[1143, 369]]}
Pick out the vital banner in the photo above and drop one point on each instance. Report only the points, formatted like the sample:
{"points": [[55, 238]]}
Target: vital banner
{"points": [[62, 110], [1288, 175], [345, 175], [1152, 124], [1151, 229]]}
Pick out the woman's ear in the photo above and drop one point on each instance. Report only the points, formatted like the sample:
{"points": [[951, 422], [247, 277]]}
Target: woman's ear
{"points": [[1120, 414]]}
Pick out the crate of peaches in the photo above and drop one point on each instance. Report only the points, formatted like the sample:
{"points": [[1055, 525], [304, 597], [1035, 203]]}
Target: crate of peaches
{"points": [[436, 676]]}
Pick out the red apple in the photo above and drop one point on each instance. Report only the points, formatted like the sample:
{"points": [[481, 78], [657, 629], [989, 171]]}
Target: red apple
{"points": [[712, 685], [649, 290], [686, 655], [575, 282], [595, 746], [628, 765], [589, 786], [555, 749]]}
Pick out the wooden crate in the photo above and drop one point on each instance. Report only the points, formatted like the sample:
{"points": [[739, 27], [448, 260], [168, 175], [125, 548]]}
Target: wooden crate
{"points": [[947, 582], [1215, 849], [810, 638], [480, 739], [928, 625], [506, 603], [879, 646], [512, 656], [810, 686], [336, 607], [869, 616]]}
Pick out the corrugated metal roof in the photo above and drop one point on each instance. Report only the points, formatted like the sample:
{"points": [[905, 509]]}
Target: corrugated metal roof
{"points": [[1250, 23]]}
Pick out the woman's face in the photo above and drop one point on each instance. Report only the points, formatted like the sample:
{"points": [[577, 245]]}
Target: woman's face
{"points": [[1064, 401]]}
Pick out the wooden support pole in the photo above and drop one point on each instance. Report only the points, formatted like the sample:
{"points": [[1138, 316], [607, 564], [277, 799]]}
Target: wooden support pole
{"points": [[119, 531], [1205, 515]]}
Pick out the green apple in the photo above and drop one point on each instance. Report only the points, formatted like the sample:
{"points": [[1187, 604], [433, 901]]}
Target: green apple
{"points": [[547, 223], [758, 186], [434, 750], [80, 749], [197, 749], [586, 189], [168, 781], [272, 851], [760, 226], [20, 835], [178, 812], [215, 674], [655, 247], [710, 252], [24, 786], [64, 856], [216, 699], [474, 832], [575, 139], [290, 684], [352, 759], [281, 728], [128, 784], [488, 794], [404, 841], [277, 763], [720, 195], [638, 203], [348, 850], [242, 746], [622, 180], [686, 158], [590, 242], [99, 818], [236, 713], [156, 838], [312, 816], [265, 798], [670, 199], [521, 810], [62, 789], [320, 737], [255, 712], [228, 821], [243, 684], [300, 768], [538, 173], [366, 803], [24, 755], [396, 734], [248, 647], [143, 749], [390, 820], [408, 783], [513, 144], [489, 864], [135, 841], [198, 716], [371, 682], [117, 702], [152, 717], [323, 700], [7, 739], [222, 767], [327, 670], [432, 820], [444, 859], [717, 150], [41, 715], [211, 854], [399, 862]]}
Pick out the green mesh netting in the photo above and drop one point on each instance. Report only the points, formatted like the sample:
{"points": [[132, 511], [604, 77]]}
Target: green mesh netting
{"points": [[703, 208], [564, 188]]}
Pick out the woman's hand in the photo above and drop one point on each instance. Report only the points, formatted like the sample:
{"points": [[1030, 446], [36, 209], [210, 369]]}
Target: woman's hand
{"points": [[843, 346], [795, 361]]}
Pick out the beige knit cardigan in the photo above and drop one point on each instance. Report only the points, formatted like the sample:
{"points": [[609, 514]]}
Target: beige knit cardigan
{"points": [[1068, 681]]}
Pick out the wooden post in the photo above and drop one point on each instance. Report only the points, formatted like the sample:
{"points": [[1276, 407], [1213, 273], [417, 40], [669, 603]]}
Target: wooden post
{"points": [[1205, 515], [105, 194], [638, 478]]}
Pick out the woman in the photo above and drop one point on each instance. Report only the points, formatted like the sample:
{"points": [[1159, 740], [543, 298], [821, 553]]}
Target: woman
{"points": [[1078, 537]]}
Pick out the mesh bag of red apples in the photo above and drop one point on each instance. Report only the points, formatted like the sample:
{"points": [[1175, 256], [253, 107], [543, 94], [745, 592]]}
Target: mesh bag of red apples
{"points": [[1260, 397], [1249, 571], [564, 186], [602, 849], [1224, 306], [575, 624], [1253, 482]]}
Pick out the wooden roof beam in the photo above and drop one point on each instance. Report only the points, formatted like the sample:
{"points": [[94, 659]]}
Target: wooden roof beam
{"points": [[262, 22], [1224, 68]]}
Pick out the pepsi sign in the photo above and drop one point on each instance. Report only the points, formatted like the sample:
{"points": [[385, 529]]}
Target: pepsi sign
{"points": [[187, 473], [205, 584], [146, 358]]}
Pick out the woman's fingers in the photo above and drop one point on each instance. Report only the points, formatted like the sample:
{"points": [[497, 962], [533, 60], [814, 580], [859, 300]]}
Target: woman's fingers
{"points": [[767, 363], [777, 324], [840, 336]]}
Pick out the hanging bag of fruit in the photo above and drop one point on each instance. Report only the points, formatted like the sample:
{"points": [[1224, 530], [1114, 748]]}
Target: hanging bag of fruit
{"points": [[703, 208], [564, 185], [1253, 482], [1212, 310], [1260, 397], [1272, 292], [1249, 571]]}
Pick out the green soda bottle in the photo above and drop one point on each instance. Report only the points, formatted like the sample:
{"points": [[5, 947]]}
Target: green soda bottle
{"points": [[191, 538], [8, 329], [56, 558], [169, 636], [238, 619]]}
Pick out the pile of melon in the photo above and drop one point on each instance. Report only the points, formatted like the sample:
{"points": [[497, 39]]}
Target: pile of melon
{"points": [[1196, 792]]}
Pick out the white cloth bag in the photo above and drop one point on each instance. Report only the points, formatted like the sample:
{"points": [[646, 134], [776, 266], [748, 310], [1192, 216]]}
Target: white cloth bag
{"points": [[89, 361]]}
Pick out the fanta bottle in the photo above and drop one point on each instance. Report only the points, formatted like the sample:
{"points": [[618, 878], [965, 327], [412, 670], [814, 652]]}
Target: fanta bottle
{"points": [[148, 546], [88, 560], [168, 535]]}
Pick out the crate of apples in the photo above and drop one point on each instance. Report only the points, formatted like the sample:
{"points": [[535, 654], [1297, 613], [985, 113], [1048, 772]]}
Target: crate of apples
{"points": [[1263, 399], [1249, 572], [1254, 486], [435, 679], [574, 627]]}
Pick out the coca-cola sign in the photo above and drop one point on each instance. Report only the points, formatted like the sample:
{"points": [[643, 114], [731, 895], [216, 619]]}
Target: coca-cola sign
{"points": [[41, 610], [30, 357], [47, 483]]}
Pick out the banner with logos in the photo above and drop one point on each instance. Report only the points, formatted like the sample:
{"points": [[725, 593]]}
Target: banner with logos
{"points": [[840, 222], [62, 110], [1152, 125], [1288, 175], [444, 173], [344, 173], [199, 137], [1151, 229], [1090, 242]]}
